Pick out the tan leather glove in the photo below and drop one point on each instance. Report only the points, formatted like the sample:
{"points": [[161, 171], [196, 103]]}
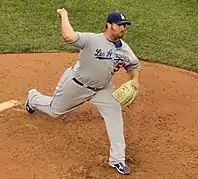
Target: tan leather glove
{"points": [[126, 93]]}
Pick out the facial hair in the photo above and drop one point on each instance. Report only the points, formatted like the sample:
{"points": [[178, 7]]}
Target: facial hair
{"points": [[119, 35]]}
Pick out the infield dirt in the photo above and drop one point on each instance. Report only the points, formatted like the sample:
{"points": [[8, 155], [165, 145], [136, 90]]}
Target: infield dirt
{"points": [[161, 127]]}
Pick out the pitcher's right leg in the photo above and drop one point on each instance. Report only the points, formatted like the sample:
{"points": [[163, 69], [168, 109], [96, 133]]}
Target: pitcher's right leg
{"points": [[38, 101], [67, 96]]}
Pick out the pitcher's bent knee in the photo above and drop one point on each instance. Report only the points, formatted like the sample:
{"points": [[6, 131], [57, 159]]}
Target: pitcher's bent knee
{"points": [[56, 113]]}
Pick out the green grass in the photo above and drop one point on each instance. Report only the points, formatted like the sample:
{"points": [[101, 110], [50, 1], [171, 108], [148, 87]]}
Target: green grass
{"points": [[164, 31]]}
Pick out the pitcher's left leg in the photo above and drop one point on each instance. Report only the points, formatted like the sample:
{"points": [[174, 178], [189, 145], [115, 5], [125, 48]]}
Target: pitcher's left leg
{"points": [[111, 111]]}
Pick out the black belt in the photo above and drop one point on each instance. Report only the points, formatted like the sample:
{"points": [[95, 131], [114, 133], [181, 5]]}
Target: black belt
{"points": [[81, 84]]}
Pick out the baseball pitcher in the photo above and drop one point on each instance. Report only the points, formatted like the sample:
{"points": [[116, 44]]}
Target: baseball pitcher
{"points": [[101, 55]]}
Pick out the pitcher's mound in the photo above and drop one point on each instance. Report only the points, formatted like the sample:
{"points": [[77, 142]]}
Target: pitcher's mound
{"points": [[161, 127]]}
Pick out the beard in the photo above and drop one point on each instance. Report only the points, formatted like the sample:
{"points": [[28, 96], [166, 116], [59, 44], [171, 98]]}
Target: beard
{"points": [[121, 35], [118, 35]]}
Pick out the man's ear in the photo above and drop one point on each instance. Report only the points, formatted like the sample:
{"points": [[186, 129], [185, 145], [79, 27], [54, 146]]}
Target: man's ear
{"points": [[108, 25]]}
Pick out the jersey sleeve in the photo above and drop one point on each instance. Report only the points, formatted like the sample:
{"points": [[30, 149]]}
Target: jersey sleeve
{"points": [[83, 40], [134, 62]]}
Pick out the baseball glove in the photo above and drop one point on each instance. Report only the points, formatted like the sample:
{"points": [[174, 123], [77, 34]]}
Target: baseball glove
{"points": [[126, 93]]}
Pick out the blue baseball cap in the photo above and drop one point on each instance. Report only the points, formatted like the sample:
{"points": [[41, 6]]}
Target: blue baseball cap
{"points": [[117, 18]]}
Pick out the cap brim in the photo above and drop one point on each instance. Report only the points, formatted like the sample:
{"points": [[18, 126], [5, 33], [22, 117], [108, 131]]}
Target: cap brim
{"points": [[124, 22]]}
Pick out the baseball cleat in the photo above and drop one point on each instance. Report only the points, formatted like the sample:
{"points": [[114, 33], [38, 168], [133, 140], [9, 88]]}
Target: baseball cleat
{"points": [[28, 108], [121, 168]]}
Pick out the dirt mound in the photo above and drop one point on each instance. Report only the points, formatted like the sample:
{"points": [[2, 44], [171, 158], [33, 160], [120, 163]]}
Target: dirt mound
{"points": [[161, 127]]}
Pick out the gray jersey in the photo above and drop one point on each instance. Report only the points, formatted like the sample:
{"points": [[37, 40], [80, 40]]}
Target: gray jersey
{"points": [[99, 59]]}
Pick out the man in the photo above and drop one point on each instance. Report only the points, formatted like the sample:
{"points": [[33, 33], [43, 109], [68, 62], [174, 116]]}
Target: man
{"points": [[101, 55]]}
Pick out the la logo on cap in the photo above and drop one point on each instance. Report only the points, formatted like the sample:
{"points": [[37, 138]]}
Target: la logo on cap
{"points": [[122, 16]]}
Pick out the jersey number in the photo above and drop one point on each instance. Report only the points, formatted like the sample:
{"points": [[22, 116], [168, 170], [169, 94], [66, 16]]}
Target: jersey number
{"points": [[118, 66]]}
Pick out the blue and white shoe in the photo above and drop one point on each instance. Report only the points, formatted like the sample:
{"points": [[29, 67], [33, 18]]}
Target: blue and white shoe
{"points": [[28, 108], [121, 168]]}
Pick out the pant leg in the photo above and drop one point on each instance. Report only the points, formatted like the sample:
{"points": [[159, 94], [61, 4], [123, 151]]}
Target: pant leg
{"points": [[111, 111], [41, 102], [67, 96]]}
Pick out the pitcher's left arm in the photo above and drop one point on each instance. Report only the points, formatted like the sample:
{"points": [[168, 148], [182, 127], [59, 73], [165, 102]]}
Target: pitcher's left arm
{"points": [[134, 75]]}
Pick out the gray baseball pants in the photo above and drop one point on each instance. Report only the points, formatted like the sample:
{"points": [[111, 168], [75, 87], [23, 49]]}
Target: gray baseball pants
{"points": [[68, 95]]}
